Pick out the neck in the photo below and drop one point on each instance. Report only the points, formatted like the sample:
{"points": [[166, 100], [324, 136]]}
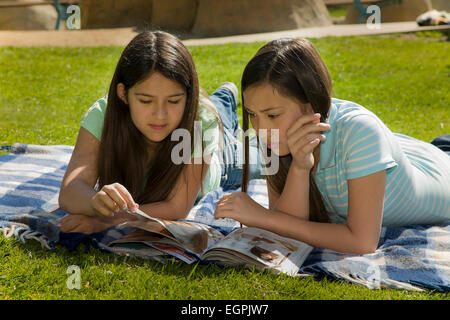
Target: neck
{"points": [[151, 150]]}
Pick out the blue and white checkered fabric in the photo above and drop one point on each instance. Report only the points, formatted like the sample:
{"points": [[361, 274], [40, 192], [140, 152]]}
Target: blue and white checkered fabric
{"points": [[414, 257]]}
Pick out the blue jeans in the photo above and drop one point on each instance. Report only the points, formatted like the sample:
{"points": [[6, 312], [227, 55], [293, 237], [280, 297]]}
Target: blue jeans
{"points": [[233, 148]]}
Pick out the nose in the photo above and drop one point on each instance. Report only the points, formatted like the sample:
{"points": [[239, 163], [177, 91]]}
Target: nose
{"points": [[160, 111], [264, 130], [263, 126]]}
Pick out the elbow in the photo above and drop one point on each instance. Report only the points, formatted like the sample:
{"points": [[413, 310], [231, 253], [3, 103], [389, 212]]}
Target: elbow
{"points": [[62, 202], [178, 212], [182, 214], [366, 248]]}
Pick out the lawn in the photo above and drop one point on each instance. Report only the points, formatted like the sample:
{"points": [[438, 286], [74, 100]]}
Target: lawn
{"points": [[44, 93]]}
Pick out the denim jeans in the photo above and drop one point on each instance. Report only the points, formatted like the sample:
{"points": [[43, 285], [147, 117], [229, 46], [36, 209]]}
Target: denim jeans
{"points": [[233, 148]]}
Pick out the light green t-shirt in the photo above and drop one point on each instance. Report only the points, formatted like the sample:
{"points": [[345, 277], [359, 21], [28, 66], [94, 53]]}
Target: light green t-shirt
{"points": [[207, 115]]}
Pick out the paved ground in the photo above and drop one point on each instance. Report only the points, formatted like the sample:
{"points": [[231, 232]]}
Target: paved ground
{"points": [[121, 36]]}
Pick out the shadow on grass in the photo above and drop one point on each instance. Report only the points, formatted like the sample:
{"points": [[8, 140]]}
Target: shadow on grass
{"points": [[83, 257]]}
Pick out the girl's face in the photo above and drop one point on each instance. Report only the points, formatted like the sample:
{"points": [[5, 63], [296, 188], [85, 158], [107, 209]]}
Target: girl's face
{"points": [[156, 105], [270, 110]]}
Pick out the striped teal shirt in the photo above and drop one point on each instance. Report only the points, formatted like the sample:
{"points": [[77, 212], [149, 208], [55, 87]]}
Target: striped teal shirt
{"points": [[358, 144]]}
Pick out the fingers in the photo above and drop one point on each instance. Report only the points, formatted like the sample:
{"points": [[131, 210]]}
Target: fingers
{"points": [[224, 207], [113, 198], [72, 223], [66, 224], [307, 133], [301, 121], [303, 140], [126, 196], [305, 148], [115, 201], [223, 212], [101, 207], [224, 199], [312, 131]]}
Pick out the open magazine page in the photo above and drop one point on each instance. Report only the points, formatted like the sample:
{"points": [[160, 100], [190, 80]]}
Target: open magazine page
{"points": [[150, 245], [183, 235], [138, 250], [267, 248], [195, 237]]}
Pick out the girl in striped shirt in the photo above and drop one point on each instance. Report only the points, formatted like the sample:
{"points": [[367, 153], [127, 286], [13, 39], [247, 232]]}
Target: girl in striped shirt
{"points": [[342, 173]]}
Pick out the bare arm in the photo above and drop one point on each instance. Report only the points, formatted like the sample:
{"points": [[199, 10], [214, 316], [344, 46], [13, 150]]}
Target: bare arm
{"points": [[294, 199], [77, 187], [359, 236], [303, 137], [178, 204]]}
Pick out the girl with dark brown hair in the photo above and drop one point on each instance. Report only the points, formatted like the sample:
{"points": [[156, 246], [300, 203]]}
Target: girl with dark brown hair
{"points": [[128, 148], [342, 173]]}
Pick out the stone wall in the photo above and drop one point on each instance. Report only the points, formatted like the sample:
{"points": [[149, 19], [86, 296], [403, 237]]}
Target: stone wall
{"points": [[205, 17], [441, 5], [41, 17], [218, 17], [112, 14], [408, 10]]}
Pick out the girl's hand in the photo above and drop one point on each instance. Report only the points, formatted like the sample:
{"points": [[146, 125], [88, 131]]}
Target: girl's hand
{"points": [[111, 199], [241, 207], [302, 137], [82, 224], [86, 224]]}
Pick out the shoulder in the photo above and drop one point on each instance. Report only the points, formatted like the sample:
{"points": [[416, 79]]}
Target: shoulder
{"points": [[99, 105], [209, 119], [349, 111], [207, 112], [365, 143], [94, 117], [353, 120]]}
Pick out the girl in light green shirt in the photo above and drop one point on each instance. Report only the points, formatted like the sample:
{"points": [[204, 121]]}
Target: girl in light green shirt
{"points": [[128, 153]]}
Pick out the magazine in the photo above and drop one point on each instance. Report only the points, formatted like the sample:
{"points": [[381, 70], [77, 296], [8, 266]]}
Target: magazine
{"points": [[192, 242]]}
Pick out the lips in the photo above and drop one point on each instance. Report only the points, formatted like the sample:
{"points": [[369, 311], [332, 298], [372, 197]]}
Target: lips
{"points": [[157, 127]]}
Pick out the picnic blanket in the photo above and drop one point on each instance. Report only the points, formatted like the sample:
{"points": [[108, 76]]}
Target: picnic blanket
{"points": [[414, 257]]}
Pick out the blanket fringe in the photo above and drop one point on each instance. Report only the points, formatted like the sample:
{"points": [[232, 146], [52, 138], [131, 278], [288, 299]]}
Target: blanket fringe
{"points": [[26, 234]]}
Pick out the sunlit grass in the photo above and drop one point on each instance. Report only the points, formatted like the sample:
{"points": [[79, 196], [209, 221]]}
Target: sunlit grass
{"points": [[44, 93]]}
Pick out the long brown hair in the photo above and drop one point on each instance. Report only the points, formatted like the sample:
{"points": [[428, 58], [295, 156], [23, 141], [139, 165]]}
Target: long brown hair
{"points": [[123, 149], [295, 69]]}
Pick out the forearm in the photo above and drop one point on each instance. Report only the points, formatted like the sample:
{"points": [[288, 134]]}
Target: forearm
{"points": [[294, 200], [163, 210], [336, 237], [75, 198]]}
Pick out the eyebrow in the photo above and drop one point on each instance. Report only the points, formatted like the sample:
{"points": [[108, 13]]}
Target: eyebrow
{"points": [[265, 110], [152, 96]]}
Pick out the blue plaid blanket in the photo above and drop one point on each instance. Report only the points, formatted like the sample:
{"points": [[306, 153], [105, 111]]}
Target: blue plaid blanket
{"points": [[414, 257]]}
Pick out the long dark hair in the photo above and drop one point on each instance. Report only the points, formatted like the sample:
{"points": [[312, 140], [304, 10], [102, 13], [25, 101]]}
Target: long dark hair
{"points": [[295, 69], [123, 154]]}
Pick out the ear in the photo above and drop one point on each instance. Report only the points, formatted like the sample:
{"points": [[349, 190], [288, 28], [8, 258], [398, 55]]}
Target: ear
{"points": [[121, 92]]}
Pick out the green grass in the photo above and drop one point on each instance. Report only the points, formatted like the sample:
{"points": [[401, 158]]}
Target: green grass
{"points": [[44, 92]]}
